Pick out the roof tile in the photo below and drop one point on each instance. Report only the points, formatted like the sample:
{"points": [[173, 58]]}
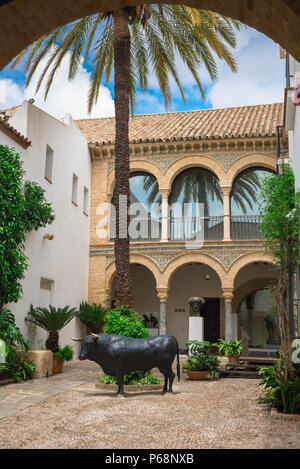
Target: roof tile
{"points": [[236, 122]]}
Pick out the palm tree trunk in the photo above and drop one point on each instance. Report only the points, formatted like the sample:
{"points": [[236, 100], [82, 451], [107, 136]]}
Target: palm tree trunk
{"points": [[52, 341], [122, 191]]}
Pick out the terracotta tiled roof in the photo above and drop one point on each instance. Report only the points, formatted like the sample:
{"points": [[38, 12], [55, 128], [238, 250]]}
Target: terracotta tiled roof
{"points": [[13, 133], [236, 122]]}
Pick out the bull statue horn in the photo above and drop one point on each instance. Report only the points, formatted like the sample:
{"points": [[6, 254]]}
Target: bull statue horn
{"points": [[76, 340], [95, 336]]}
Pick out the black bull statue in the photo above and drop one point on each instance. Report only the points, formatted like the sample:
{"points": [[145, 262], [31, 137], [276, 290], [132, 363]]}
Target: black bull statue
{"points": [[118, 355]]}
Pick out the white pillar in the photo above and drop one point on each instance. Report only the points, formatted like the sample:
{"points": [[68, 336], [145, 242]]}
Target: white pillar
{"points": [[228, 295], [226, 212], [164, 215], [162, 294]]}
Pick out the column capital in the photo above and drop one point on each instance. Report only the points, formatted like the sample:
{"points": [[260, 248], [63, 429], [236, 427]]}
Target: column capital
{"points": [[228, 294], [162, 294], [226, 190], [164, 192]]}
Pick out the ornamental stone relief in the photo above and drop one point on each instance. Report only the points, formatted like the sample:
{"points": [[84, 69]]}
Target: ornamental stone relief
{"points": [[225, 255], [164, 162]]}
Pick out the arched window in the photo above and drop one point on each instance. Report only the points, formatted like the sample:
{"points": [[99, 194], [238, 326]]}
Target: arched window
{"points": [[145, 200], [258, 321], [196, 205], [245, 218]]}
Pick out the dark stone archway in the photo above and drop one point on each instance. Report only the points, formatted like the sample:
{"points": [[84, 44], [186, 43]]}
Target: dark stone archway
{"points": [[22, 22]]}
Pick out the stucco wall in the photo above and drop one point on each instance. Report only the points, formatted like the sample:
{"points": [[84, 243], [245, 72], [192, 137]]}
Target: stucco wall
{"points": [[65, 259]]}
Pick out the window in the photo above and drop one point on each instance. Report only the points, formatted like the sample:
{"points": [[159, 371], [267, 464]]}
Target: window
{"points": [[49, 164], [46, 292], [85, 201], [75, 190]]}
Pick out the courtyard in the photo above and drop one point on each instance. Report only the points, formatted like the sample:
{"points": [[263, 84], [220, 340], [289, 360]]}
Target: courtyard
{"points": [[68, 411]]}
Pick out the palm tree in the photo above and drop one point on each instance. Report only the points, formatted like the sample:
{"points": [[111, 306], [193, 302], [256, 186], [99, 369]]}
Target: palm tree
{"points": [[92, 316], [136, 41], [52, 320]]}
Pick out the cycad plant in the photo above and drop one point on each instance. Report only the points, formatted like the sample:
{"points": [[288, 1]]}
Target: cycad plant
{"points": [[51, 320], [92, 316], [134, 42]]}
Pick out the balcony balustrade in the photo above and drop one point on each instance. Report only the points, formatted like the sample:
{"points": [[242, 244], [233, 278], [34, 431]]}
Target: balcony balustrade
{"points": [[246, 227]]}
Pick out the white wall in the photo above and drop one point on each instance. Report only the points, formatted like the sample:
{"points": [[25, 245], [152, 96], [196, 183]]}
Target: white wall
{"points": [[65, 259], [293, 125]]}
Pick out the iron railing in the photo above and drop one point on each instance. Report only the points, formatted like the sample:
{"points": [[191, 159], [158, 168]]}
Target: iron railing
{"points": [[189, 228], [148, 229], [246, 227]]}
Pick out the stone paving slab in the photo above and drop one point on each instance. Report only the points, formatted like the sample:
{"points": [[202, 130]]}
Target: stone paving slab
{"points": [[69, 411], [17, 396]]}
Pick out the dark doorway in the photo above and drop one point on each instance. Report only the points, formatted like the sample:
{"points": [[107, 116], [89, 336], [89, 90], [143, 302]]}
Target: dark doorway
{"points": [[211, 314]]}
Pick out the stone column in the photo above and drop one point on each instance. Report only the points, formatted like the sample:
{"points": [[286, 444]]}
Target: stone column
{"points": [[164, 215], [226, 207], [228, 295], [162, 294]]}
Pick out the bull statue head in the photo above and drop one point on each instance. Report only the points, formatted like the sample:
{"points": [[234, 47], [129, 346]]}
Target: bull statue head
{"points": [[86, 342]]}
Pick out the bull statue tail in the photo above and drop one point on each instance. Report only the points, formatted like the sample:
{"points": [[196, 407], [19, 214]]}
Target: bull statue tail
{"points": [[178, 363]]}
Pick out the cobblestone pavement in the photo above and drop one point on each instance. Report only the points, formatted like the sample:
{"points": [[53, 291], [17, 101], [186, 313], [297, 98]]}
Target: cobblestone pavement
{"points": [[68, 411]]}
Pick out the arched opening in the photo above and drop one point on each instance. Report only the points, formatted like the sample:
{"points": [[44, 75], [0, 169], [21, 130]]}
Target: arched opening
{"points": [[254, 307], [189, 280], [145, 200], [258, 321], [244, 201], [145, 300], [19, 26], [196, 206]]}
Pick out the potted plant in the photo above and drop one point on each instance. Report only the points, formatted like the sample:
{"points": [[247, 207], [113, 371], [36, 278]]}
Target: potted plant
{"points": [[92, 316], [231, 349], [201, 362], [63, 355], [51, 320]]}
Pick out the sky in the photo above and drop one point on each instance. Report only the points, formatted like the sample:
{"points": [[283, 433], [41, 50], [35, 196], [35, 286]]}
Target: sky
{"points": [[260, 79]]}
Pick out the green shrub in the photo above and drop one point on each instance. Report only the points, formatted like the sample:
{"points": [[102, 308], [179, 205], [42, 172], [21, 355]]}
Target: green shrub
{"points": [[92, 316], [23, 208], [285, 397], [127, 322], [14, 367], [64, 354], [136, 377]]}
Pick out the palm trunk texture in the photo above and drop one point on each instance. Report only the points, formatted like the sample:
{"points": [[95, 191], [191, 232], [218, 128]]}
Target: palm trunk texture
{"points": [[122, 173]]}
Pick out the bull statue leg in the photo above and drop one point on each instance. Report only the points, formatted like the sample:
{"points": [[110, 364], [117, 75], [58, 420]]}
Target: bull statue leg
{"points": [[165, 388], [171, 379], [120, 383]]}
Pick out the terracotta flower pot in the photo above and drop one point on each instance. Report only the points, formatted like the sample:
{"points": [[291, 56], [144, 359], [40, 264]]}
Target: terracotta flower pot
{"points": [[196, 375], [57, 365], [233, 359]]}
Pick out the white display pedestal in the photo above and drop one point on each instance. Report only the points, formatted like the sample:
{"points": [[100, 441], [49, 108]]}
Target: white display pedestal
{"points": [[196, 328]]}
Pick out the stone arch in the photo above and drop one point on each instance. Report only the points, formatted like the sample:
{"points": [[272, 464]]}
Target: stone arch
{"points": [[136, 165], [134, 259], [183, 259], [261, 160], [184, 163], [246, 288], [245, 260], [19, 26]]}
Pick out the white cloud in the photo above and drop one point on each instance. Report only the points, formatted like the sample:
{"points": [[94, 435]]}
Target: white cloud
{"points": [[64, 96], [260, 77], [10, 93]]}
